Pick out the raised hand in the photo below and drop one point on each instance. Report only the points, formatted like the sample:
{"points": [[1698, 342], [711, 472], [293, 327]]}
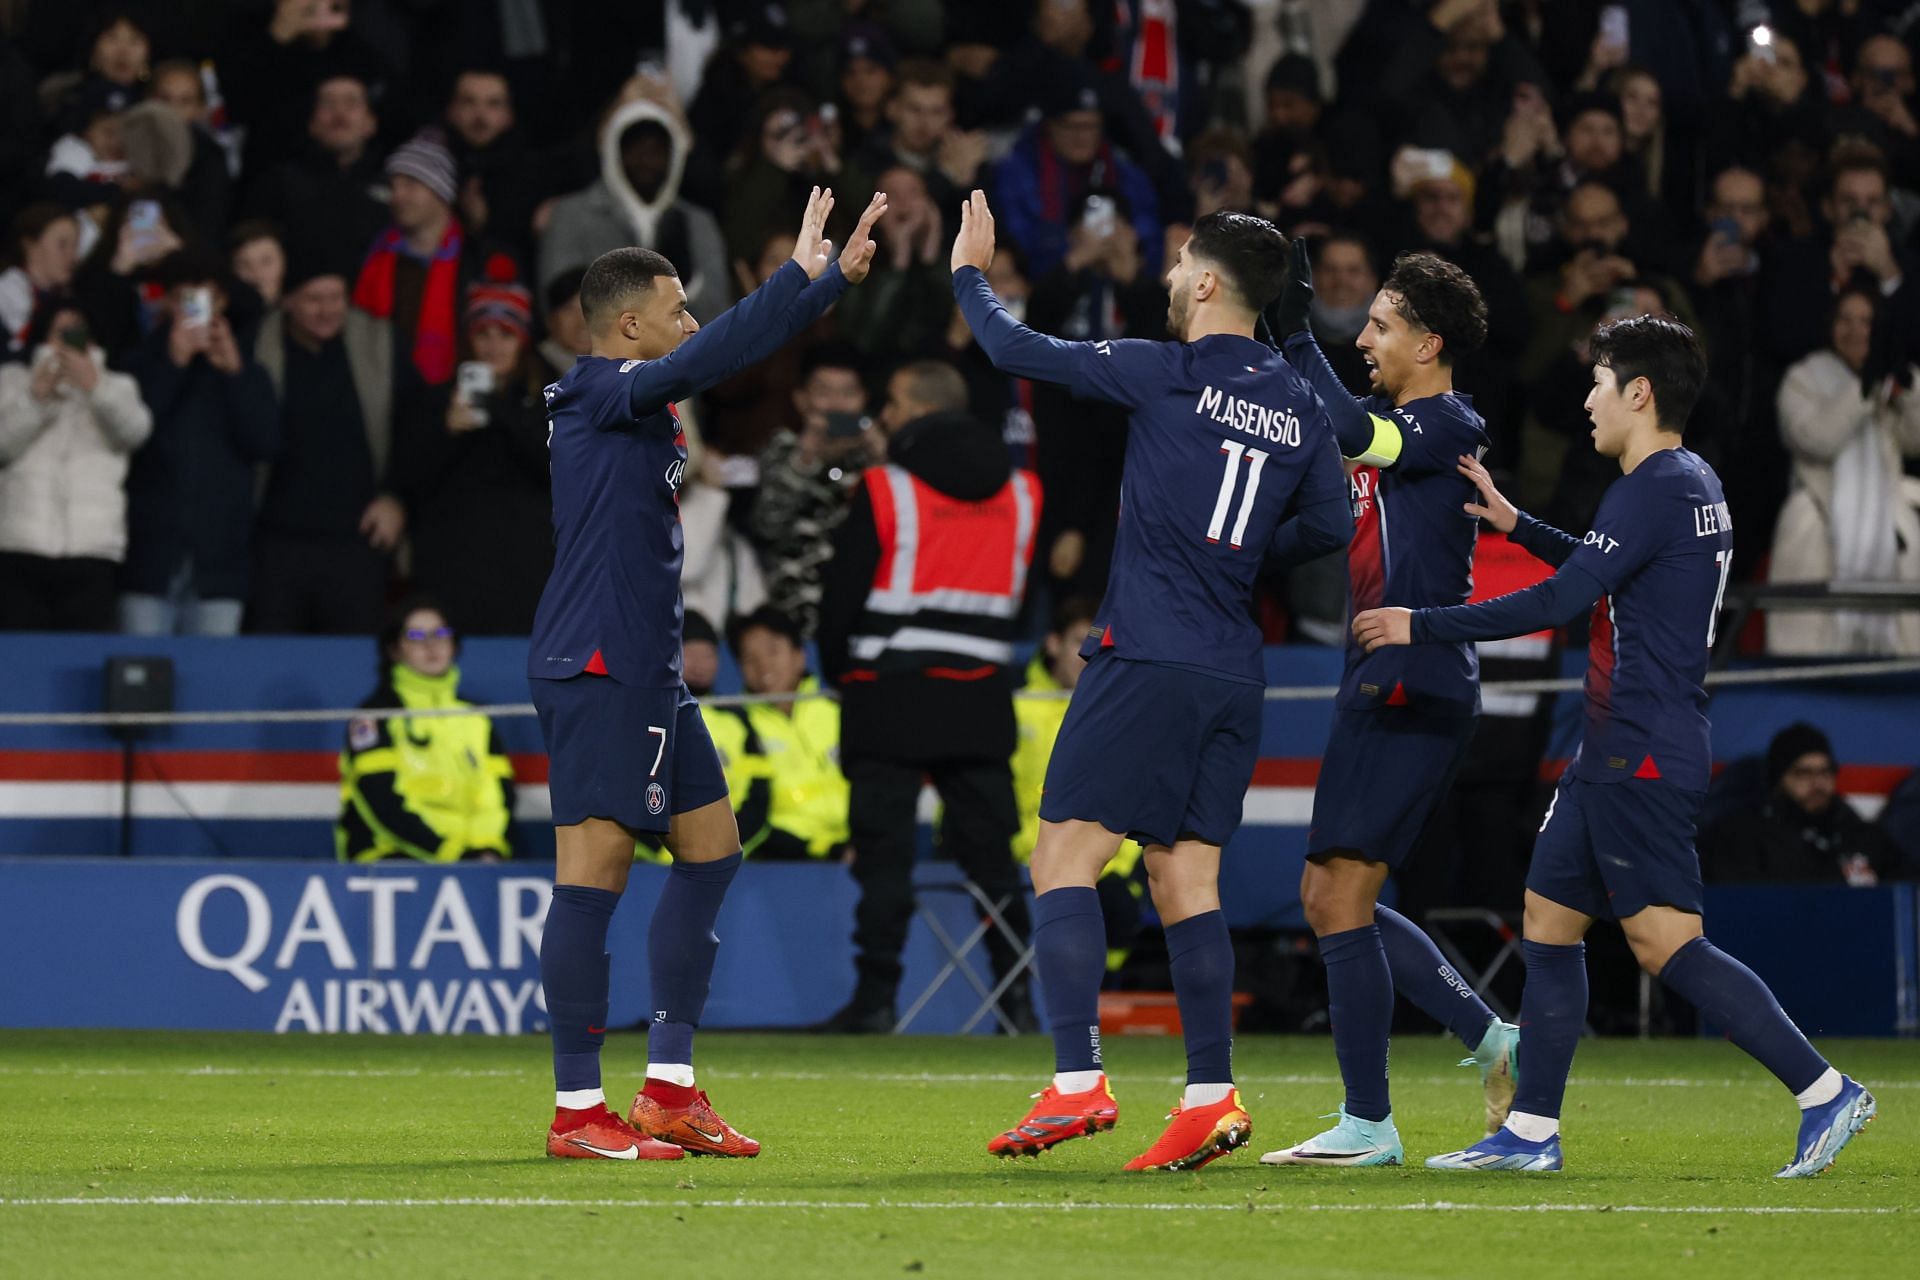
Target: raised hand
{"points": [[812, 250], [857, 258], [1287, 314], [1493, 506], [1378, 627], [973, 247]]}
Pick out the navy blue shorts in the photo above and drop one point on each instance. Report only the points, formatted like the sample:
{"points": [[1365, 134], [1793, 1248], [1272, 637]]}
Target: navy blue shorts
{"points": [[1384, 771], [637, 756], [1613, 849], [1158, 753]]}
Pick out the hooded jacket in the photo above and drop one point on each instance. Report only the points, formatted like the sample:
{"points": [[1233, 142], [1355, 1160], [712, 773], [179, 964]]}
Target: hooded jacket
{"points": [[609, 214], [892, 716]]}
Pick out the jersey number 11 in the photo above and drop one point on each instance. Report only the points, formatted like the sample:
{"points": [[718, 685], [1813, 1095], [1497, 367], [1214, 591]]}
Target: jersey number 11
{"points": [[1256, 460]]}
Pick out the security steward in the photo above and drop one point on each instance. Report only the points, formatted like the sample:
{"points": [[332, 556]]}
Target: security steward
{"points": [[435, 788], [917, 626], [782, 759]]}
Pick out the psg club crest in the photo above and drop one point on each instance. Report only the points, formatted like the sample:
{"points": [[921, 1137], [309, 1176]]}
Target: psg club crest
{"points": [[656, 797]]}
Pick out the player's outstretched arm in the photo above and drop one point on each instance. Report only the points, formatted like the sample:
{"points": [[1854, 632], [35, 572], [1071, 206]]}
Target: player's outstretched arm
{"points": [[1567, 595], [1089, 368], [760, 323], [1536, 536]]}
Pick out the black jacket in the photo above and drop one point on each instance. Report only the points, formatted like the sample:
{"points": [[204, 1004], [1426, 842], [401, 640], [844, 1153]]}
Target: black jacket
{"points": [[1780, 844], [913, 716]]}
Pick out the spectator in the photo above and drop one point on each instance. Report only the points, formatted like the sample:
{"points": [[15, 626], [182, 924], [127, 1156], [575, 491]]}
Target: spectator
{"points": [[700, 661], [331, 186], [272, 73], [741, 416], [637, 200], [1056, 163], [919, 134], [1294, 109], [1643, 133], [866, 83], [329, 517], [190, 491], [473, 466], [119, 57], [755, 57], [1856, 246], [1101, 289], [1051, 676], [1771, 101], [257, 255], [1849, 415], [87, 163], [567, 337], [902, 306], [1451, 81], [205, 187], [118, 281], [44, 243], [993, 396], [417, 270], [500, 180], [1882, 108], [67, 424], [928, 644], [787, 150], [432, 788], [1804, 832], [782, 758], [806, 478], [1344, 282]]}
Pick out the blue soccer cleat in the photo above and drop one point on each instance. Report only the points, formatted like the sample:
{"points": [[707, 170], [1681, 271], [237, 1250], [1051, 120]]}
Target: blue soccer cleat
{"points": [[1351, 1143], [1502, 1150], [1825, 1129], [1498, 1058]]}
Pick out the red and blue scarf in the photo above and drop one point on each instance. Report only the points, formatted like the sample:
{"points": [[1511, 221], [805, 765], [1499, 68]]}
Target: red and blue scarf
{"points": [[435, 334]]}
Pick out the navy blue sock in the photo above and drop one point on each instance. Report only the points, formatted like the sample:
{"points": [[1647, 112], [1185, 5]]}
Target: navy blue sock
{"points": [[1734, 998], [1200, 953], [573, 974], [1360, 1003], [681, 946], [1552, 1012], [1422, 975], [1070, 953]]}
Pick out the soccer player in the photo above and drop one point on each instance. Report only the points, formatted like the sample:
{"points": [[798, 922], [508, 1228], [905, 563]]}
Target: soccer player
{"points": [[1403, 718], [629, 751], [1617, 842], [1161, 737]]}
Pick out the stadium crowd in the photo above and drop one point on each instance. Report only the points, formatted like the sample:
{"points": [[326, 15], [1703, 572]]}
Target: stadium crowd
{"points": [[284, 279]]}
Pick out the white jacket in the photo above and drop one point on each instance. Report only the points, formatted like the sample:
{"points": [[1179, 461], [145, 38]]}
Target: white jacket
{"points": [[1822, 413], [63, 462]]}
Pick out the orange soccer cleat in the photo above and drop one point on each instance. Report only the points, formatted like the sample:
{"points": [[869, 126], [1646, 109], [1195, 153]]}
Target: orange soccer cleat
{"points": [[595, 1133], [1198, 1135], [1055, 1117], [693, 1126]]}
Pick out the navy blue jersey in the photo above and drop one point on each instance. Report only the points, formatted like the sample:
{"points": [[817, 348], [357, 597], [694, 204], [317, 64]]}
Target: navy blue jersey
{"points": [[1654, 567], [1412, 540], [612, 603], [1225, 439]]}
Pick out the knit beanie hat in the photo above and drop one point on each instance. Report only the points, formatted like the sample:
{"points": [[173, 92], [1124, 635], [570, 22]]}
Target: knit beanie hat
{"points": [[425, 158]]}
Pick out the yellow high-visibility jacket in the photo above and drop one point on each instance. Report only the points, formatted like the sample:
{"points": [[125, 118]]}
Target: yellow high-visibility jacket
{"points": [[1038, 722], [435, 788], [783, 771]]}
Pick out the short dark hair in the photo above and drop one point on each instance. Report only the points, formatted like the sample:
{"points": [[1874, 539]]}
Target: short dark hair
{"points": [[769, 618], [616, 276], [924, 73], [395, 624], [1434, 294], [1250, 252], [1664, 352], [831, 355], [936, 384], [1073, 609]]}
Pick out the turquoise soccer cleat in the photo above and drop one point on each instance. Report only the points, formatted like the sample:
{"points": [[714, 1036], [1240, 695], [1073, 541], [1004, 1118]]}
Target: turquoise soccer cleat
{"points": [[1825, 1129], [1351, 1144], [1502, 1150], [1498, 1058]]}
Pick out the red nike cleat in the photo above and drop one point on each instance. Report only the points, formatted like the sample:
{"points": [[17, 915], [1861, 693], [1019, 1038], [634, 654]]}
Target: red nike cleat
{"points": [[1055, 1117], [694, 1127], [1197, 1136], [595, 1133]]}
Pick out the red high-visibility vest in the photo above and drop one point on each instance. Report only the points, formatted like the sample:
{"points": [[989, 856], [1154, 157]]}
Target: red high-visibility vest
{"points": [[951, 574]]}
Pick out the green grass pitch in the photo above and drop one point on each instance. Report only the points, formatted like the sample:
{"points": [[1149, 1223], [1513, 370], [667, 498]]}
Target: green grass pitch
{"points": [[155, 1154]]}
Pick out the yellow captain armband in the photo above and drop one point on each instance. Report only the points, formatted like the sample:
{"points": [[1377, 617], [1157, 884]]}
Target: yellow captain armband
{"points": [[1384, 449]]}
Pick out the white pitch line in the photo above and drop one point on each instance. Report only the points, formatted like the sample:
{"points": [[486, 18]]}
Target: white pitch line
{"points": [[990, 1206], [871, 1077]]}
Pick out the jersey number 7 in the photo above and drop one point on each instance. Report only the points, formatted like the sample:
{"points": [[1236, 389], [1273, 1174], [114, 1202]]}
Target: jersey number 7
{"points": [[1256, 460]]}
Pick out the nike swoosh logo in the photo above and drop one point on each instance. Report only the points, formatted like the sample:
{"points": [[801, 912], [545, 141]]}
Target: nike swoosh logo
{"points": [[710, 1137], [625, 1153]]}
